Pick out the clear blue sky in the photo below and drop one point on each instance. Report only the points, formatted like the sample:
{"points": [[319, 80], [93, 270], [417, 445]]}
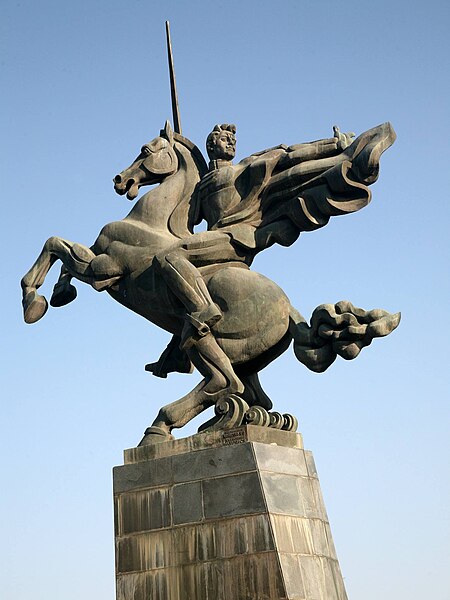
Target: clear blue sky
{"points": [[84, 84]]}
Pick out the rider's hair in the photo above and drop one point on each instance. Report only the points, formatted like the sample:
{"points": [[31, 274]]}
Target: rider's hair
{"points": [[215, 133]]}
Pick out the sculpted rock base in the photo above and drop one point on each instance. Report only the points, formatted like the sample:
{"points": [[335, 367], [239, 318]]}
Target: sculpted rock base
{"points": [[223, 515]]}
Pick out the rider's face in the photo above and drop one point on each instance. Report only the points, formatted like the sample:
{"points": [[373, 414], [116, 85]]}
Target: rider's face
{"points": [[224, 146]]}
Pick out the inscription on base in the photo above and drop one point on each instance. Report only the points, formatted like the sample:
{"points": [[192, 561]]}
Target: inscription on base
{"points": [[235, 436]]}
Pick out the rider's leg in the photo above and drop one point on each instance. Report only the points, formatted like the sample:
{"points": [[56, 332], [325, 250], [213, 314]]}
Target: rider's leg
{"points": [[187, 284], [179, 269], [219, 382]]}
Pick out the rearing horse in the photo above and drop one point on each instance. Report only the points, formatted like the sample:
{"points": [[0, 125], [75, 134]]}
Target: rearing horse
{"points": [[120, 261], [125, 248], [258, 320]]}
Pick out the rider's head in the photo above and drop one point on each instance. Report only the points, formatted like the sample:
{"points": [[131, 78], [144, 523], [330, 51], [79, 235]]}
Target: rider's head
{"points": [[221, 142]]}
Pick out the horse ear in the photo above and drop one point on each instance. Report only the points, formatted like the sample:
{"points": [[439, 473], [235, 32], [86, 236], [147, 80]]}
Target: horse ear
{"points": [[167, 132]]}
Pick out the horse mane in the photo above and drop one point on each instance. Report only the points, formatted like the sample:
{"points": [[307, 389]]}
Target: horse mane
{"points": [[183, 217], [194, 150]]}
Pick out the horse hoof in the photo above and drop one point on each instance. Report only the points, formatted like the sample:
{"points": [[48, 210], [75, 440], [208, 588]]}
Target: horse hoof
{"points": [[155, 435], [34, 307], [63, 293]]}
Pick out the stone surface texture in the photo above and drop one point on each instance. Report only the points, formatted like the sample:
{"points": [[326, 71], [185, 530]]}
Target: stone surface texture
{"points": [[225, 515]]}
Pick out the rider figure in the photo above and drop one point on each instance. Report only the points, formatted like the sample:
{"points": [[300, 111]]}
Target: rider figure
{"points": [[179, 264], [221, 194]]}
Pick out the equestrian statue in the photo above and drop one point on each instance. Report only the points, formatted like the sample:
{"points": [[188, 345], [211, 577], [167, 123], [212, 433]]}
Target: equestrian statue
{"points": [[226, 320]]}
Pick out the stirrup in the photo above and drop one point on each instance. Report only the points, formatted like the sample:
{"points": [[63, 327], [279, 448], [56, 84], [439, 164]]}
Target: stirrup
{"points": [[206, 318], [198, 324], [200, 327]]}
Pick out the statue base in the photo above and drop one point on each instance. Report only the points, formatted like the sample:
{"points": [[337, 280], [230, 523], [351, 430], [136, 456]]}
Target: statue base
{"points": [[226, 515]]}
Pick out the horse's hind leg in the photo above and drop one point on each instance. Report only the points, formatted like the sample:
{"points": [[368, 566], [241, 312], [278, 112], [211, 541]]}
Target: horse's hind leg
{"points": [[253, 393], [76, 258]]}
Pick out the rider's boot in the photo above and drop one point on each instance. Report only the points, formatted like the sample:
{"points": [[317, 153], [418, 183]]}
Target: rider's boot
{"points": [[212, 362]]}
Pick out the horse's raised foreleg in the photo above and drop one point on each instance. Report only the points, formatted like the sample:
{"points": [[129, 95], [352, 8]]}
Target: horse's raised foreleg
{"points": [[63, 291], [77, 260]]}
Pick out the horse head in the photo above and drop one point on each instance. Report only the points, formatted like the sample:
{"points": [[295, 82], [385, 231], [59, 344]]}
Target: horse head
{"points": [[156, 161]]}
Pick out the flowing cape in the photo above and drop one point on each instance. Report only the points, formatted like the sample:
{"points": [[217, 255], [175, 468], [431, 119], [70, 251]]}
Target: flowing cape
{"points": [[304, 197]]}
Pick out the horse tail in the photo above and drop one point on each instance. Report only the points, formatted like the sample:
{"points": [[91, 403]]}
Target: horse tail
{"points": [[337, 329]]}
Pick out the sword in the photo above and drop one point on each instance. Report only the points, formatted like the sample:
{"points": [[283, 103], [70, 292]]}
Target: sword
{"points": [[173, 85]]}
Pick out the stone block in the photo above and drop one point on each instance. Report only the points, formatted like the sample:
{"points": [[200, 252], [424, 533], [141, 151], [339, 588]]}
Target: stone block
{"points": [[334, 586], [191, 579], [160, 584], [319, 536], [292, 534], [313, 578], [184, 545], [214, 462], [144, 552], [310, 464], [318, 499], [310, 508], [282, 493], [292, 575], [244, 578], [330, 542], [250, 534], [143, 511], [187, 503], [338, 580], [232, 495], [142, 475], [289, 461]]}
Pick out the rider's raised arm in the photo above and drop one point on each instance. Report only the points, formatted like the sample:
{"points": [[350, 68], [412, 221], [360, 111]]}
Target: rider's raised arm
{"points": [[314, 150], [279, 147], [269, 154]]}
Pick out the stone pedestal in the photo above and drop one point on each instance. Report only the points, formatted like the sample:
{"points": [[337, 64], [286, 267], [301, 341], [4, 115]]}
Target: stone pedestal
{"points": [[229, 515]]}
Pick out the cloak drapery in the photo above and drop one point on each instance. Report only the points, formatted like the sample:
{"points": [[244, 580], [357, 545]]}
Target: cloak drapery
{"points": [[284, 202]]}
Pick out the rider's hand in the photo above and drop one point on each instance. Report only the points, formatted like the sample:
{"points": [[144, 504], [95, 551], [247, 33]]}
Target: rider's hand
{"points": [[343, 140]]}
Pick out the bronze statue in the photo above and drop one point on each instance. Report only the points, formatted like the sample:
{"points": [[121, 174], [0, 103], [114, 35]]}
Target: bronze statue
{"points": [[226, 320]]}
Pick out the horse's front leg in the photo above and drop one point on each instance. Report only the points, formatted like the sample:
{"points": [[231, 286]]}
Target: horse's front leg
{"points": [[76, 258], [63, 291]]}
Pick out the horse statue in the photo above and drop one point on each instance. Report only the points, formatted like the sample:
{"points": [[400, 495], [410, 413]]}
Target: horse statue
{"points": [[258, 321]]}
